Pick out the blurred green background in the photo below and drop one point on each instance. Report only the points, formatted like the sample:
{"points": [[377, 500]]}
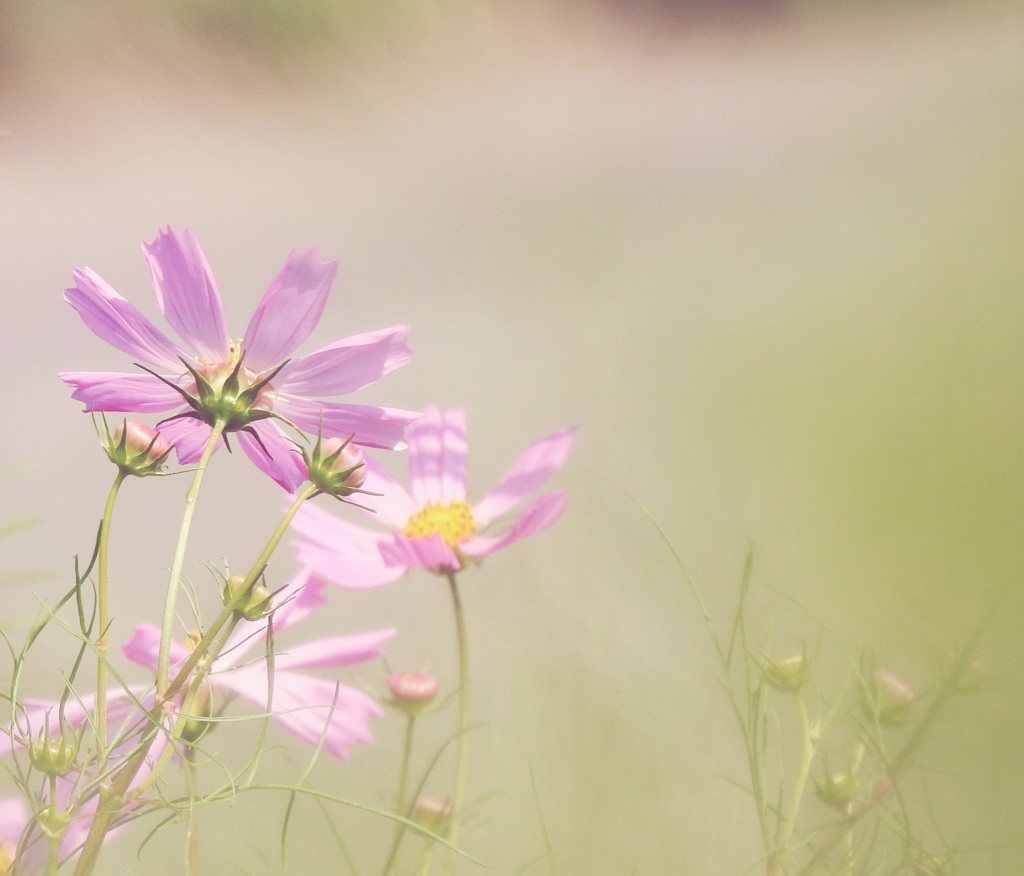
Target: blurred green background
{"points": [[768, 256]]}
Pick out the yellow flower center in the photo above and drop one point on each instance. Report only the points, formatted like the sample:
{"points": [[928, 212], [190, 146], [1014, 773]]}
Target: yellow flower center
{"points": [[453, 522], [6, 856]]}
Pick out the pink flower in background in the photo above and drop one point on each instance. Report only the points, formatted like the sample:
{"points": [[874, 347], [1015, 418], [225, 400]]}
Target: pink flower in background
{"points": [[312, 708], [431, 525], [245, 381]]}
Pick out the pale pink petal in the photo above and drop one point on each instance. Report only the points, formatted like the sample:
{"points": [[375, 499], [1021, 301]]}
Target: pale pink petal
{"points": [[14, 817], [278, 457], [118, 322], [371, 426], [543, 512], [189, 437], [115, 391], [289, 310], [333, 652], [437, 457], [536, 464], [303, 705], [346, 365], [354, 565], [412, 553], [144, 647], [187, 294], [389, 502]]}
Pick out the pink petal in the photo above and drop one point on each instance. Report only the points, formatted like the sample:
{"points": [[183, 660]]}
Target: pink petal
{"points": [[352, 565], [189, 437], [543, 512], [371, 426], [333, 652], [115, 391], [284, 463], [289, 310], [413, 553], [346, 365], [437, 457], [536, 464], [187, 294], [118, 322], [144, 647], [392, 505], [303, 706]]}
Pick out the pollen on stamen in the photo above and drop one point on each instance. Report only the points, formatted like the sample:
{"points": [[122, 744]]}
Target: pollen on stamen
{"points": [[453, 522]]}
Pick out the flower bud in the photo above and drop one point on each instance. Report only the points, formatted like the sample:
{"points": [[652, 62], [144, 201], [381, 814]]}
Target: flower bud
{"points": [[890, 698], [787, 674], [53, 755], [412, 692], [971, 678], [255, 605], [202, 704], [336, 467], [136, 449], [837, 790], [433, 813]]}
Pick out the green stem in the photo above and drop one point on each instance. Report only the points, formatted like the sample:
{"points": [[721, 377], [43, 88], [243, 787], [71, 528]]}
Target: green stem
{"points": [[401, 806], [104, 621], [174, 581], [809, 737], [461, 747], [54, 837]]}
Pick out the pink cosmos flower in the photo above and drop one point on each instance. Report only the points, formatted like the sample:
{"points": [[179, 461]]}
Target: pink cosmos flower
{"points": [[312, 708], [432, 525], [245, 381]]}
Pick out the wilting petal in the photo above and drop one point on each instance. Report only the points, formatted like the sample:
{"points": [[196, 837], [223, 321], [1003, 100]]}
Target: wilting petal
{"points": [[371, 426], [278, 457], [347, 365], [289, 310], [437, 457], [187, 294], [118, 322], [115, 391], [311, 708], [535, 465], [543, 512]]}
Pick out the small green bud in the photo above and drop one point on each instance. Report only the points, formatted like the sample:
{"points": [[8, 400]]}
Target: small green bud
{"points": [[433, 813], [837, 790], [787, 674], [336, 467], [54, 755], [135, 448], [255, 605], [202, 704], [412, 692]]}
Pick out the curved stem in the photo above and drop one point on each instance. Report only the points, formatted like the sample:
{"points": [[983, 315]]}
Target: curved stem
{"points": [[462, 749], [103, 620], [174, 581], [401, 805]]}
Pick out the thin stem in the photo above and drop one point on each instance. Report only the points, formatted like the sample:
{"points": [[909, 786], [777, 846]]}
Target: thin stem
{"points": [[461, 749], [54, 837], [192, 828], [104, 621], [401, 806], [174, 581], [809, 742]]}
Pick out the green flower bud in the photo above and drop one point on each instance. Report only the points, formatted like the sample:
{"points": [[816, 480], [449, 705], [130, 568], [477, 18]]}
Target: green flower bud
{"points": [[255, 605], [135, 448], [890, 698], [54, 755], [335, 466], [202, 704], [433, 813], [837, 790], [787, 674]]}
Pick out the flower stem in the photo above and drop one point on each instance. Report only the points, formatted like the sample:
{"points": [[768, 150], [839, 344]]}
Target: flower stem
{"points": [[174, 581], [461, 748], [401, 806], [103, 621], [809, 742]]}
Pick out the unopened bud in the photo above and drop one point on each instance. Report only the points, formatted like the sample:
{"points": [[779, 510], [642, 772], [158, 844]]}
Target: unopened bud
{"points": [[971, 678], [136, 449], [433, 813], [412, 692], [787, 674], [254, 605], [202, 704], [837, 790], [336, 467], [54, 755], [890, 698]]}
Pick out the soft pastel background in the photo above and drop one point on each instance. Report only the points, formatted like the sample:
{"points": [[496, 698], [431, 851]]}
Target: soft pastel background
{"points": [[768, 256]]}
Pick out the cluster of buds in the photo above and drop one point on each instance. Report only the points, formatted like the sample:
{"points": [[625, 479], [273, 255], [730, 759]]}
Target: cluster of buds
{"points": [[135, 448]]}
